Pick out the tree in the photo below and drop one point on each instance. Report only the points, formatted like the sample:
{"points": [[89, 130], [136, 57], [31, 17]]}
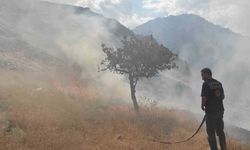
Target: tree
{"points": [[137, 58]]}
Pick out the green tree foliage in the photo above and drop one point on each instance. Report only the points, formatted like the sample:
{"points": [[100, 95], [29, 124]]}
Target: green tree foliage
{"points": [[138, 57]]}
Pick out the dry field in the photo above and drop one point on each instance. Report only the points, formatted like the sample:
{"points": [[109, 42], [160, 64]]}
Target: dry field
{"points": [[37, 119]]}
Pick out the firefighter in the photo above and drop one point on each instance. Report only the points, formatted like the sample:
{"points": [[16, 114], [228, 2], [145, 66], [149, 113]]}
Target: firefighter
{"points": [[212, 96]]}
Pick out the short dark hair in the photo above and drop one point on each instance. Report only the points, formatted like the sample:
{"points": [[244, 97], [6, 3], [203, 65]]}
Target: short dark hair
{"points": [[207, 71]]}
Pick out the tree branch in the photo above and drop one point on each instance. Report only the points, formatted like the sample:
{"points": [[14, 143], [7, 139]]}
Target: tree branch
{"points": [[117, 69]]}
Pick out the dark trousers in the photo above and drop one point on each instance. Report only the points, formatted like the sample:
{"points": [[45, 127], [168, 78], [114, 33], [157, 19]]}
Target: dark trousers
{"points": [[215, 124]]}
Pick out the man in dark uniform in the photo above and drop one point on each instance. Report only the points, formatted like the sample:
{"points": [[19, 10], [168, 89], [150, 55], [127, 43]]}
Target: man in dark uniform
{"points": [[212, 96]]}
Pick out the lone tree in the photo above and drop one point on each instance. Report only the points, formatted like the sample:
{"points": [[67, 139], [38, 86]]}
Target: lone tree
{"points": [[137, 58]]}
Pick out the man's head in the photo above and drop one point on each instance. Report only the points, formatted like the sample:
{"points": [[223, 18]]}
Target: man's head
{"points": [[206, 73]]}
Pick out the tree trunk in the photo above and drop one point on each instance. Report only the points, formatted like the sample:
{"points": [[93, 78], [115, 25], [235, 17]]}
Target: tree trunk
{"points": [[133, 97]]}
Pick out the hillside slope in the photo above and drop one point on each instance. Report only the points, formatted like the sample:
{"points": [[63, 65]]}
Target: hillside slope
{"points": [[45, 34], [39, 118], [193, 38]]}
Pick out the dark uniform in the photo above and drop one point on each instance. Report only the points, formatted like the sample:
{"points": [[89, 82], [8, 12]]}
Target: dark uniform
{"points": [[213, 90]]}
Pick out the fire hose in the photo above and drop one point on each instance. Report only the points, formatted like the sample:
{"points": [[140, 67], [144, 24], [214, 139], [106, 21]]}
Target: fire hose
{"points": [[176, 142]]}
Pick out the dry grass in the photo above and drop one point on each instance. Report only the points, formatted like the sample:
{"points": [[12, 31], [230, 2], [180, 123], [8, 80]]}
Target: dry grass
{"points": [[48, 120]]}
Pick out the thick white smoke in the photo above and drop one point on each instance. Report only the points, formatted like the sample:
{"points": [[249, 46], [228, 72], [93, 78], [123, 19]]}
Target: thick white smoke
{"points": [[73, 38]]}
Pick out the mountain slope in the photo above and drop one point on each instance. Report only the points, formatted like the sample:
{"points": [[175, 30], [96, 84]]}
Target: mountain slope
{"points": [[44, 31], [193, 38], [60, 44]]}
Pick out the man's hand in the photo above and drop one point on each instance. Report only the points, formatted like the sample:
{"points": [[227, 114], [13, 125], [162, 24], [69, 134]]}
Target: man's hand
{"points": [[203, 102], [203, 107]]}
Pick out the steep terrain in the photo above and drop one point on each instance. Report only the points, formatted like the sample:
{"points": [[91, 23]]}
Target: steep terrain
{"points": [[193, 38], [32, 34]]}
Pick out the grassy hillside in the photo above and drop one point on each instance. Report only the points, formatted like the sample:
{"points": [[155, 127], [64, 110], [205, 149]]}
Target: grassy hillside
{"points": [[45, 119]]}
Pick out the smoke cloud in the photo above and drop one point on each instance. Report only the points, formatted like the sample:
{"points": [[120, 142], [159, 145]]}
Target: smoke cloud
{"points": [[73, 38]]}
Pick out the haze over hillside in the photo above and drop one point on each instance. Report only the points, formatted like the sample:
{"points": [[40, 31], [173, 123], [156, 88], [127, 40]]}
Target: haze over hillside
{"points": [[193, 38], [47, 37], [43, 28], [204, 44], [46, 46], [57, 39]]}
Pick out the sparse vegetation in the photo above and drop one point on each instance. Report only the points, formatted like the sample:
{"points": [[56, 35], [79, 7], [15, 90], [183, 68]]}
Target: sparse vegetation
{"points": [[52, 120]]}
